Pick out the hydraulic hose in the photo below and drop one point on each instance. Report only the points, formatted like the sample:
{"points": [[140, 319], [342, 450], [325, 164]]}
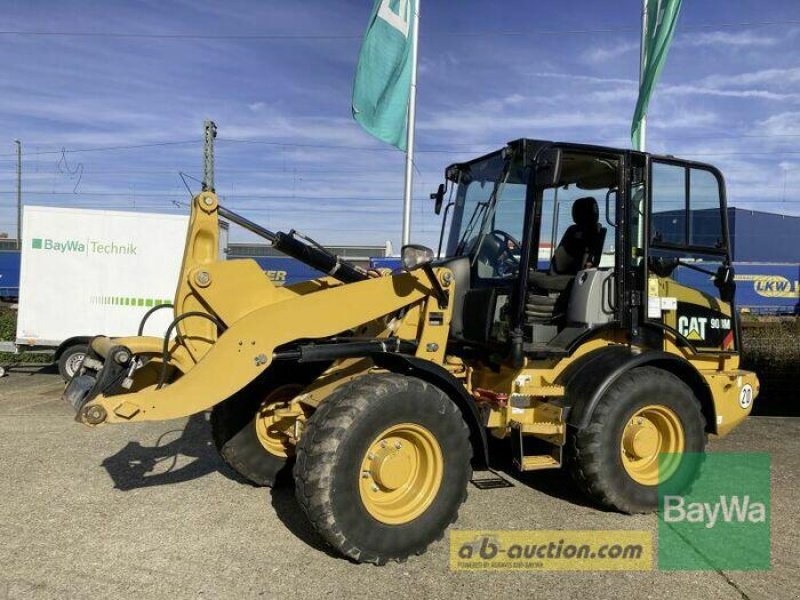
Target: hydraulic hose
{"points": [[150, 312], [165, 349]]}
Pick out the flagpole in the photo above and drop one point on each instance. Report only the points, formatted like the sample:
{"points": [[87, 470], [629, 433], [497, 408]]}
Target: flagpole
{"points": [[412, 114], [642, 61]]}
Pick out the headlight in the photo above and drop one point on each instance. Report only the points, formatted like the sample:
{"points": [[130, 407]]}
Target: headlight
{"points": [[415, 256]]}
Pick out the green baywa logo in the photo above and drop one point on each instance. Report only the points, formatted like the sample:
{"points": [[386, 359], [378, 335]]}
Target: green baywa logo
{"points": [[732, 509], [722, 519], [59, 246], [87, 247]]}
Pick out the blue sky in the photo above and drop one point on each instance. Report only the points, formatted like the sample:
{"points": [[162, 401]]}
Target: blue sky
{"points": [[289, 154]]}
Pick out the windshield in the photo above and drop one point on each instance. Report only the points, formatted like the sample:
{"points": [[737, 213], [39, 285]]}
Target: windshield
{"points": [[488, 215]]}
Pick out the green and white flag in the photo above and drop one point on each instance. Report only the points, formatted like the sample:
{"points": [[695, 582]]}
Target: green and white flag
{"points": [[662, 17], [383, 76]]}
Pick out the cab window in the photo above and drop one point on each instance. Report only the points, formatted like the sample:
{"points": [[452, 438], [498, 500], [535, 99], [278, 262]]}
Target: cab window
{"points": [[686, 208]]}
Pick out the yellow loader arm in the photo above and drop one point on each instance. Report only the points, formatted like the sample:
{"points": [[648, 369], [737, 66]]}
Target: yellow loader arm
{"points": [[123, 379]]}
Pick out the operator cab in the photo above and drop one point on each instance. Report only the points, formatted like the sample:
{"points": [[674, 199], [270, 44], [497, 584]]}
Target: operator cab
{"points": [[498, 219], [550, 243]]}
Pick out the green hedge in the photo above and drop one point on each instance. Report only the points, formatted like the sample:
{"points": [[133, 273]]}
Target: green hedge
{"points": [[771, 345], [8, 332]]}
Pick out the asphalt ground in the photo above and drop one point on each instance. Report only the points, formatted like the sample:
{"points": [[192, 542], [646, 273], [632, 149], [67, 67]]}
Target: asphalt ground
{"points": [[149, 511]]}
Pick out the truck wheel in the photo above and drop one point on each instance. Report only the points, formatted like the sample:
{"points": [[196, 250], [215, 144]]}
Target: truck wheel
{"points": [[646, 412], [70, 361], [382, 467], [244, 431]]}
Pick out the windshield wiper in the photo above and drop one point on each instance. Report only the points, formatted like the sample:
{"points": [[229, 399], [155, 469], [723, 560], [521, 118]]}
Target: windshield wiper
{"points": [[473, 220], [491, 206]]}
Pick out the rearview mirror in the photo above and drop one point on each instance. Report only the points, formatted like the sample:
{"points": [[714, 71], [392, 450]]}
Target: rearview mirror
{"points": [[548, 168], [414, 256], [438, 198], [725, 282]]}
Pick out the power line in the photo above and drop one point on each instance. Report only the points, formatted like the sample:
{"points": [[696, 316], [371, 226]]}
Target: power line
{"points": [[173, 195], [340, 200], [108, 148], [451, 150], [358, 36], [355, 148], [755, 153], [242, 141]]}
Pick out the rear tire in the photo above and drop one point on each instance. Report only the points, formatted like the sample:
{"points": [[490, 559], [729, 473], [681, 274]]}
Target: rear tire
{"points": [[622, 473], [70, 361], [382, 467]]}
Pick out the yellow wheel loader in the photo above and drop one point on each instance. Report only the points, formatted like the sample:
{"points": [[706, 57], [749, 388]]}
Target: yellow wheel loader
{"points": [[560, 318]]}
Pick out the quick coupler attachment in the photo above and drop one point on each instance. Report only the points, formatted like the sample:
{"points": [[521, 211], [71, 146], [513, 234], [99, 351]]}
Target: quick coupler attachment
{"points": [[103, 371]]}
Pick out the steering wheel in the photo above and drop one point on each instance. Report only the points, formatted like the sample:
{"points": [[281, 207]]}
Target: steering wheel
{"points": [[506, 262]]}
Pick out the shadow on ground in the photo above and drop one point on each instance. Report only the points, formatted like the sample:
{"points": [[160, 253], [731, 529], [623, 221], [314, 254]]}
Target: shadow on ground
{"points": [[181, 455], [555, 483], [778, 398], [176, 456], [26, 368]]}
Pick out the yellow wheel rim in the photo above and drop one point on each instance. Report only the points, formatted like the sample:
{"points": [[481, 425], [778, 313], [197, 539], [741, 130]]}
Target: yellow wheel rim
{"points": [[401, 473], [270, 428], [652, 430]]}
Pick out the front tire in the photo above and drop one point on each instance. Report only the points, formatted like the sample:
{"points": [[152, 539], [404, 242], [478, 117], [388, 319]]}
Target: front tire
{"points": [[382, 467], [243, 427], [645, 413]]}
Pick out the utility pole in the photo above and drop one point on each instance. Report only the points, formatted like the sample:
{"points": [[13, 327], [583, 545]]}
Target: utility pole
{"points": [[208, 155], [19, 193]]}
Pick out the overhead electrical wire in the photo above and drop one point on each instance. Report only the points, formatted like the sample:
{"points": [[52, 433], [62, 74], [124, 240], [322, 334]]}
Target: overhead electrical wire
{"points": [[453, 150]]}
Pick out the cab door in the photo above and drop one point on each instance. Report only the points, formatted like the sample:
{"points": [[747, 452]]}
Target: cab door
{"points": [[689, 282]]}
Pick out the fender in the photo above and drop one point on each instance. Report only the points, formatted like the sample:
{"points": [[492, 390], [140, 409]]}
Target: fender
{"points": [[73, 341], [441, 378], [587, 379]]}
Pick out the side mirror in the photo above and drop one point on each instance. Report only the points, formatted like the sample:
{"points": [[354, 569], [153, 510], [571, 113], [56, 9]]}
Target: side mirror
{"points": [[438, 198], [663, 266], [725, 282], [548, 168], [414, 256]]}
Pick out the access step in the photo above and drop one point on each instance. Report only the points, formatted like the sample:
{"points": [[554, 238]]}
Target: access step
{"points": [[537, 463], [537, 448]]}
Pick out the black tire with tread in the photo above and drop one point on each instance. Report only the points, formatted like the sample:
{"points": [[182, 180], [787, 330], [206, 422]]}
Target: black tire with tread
{"points": [[594, 452], [332, 447], [233, 427]]}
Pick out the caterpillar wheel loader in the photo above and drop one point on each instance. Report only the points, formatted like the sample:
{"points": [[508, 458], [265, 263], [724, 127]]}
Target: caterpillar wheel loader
{"points": [[562, 318]]}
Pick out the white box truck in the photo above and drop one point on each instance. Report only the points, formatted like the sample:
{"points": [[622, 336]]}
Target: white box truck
{"points": [[93, 272]]}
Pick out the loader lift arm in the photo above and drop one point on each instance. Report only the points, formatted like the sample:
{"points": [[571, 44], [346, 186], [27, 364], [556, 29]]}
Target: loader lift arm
{"points": [[248, 323]]}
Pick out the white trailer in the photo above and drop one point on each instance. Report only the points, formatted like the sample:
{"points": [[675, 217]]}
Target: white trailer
{"points": [[94, 272]]}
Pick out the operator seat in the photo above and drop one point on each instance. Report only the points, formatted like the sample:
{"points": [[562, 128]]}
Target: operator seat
{"points": [[580, 248]]}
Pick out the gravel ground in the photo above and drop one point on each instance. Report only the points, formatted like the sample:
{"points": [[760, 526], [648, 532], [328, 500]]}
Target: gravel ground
{"points": [[149, 511]]}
